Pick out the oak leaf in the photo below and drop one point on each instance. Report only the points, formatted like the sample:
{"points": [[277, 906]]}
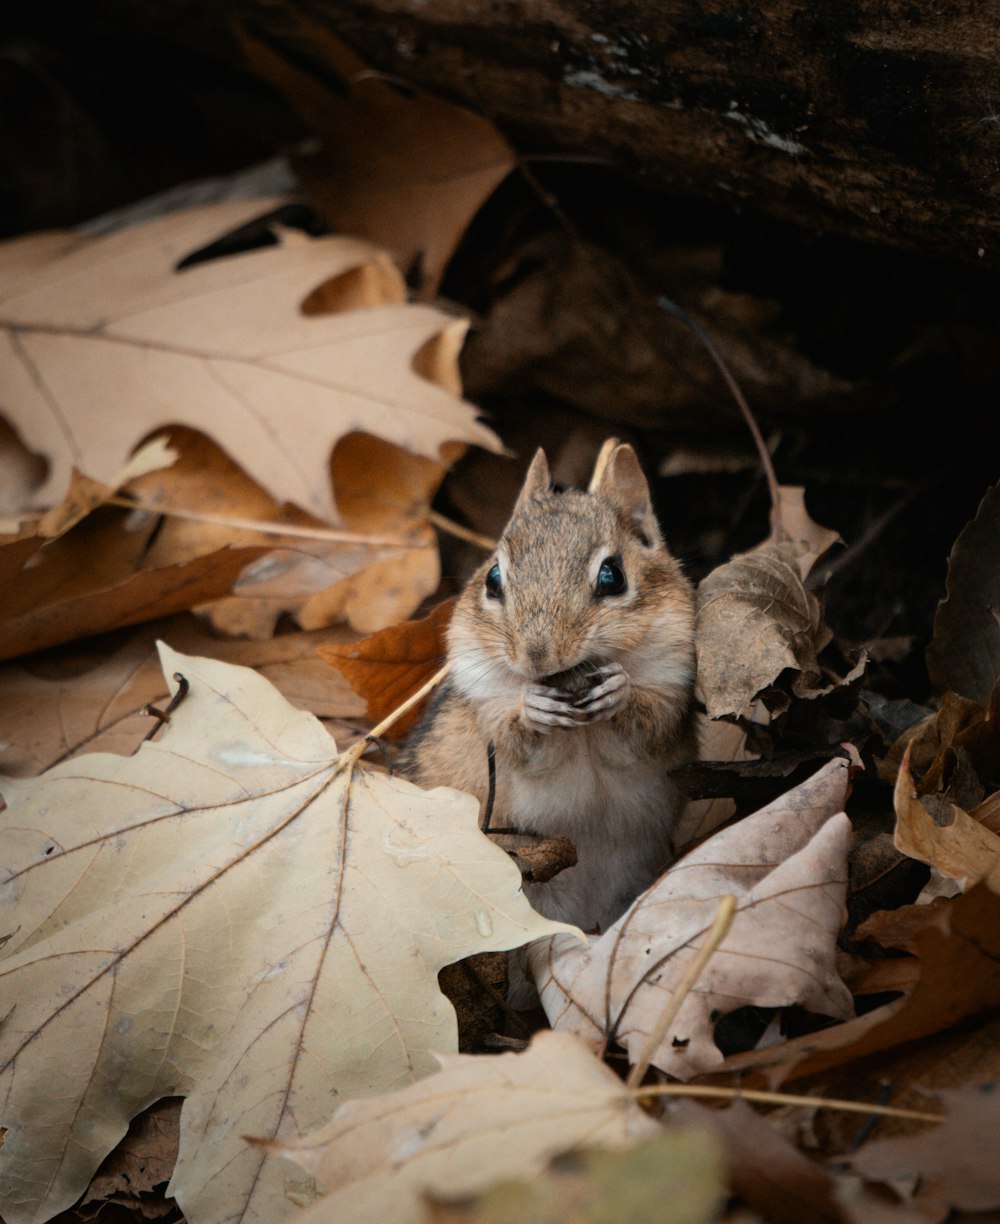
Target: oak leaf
{"points": [[787, 867], [476, 1122], [224, 346], [220, 917]]}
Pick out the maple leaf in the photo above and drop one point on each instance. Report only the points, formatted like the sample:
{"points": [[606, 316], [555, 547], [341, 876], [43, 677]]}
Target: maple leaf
{"points": [[224, 346], [787, 867], [455, 1133], [219, 917]]}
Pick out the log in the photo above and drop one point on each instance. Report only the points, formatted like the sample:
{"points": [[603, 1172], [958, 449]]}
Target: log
{"points": [[875, 119]]}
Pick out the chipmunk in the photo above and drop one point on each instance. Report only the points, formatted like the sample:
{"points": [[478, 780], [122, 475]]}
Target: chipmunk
{"points": [[572, 653]]}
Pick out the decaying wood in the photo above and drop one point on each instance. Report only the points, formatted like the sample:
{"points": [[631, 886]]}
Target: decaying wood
{"points": [[875, 119]]}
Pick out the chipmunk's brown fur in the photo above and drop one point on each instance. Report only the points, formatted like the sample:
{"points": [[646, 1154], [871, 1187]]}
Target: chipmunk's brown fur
{"points": [[584, 689]]}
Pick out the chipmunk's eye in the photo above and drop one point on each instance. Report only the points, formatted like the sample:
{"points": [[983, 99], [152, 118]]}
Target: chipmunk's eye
{"points": [[494, 588], [610, 578]]}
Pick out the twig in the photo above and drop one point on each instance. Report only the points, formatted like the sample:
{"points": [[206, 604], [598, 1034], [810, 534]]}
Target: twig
{"points": [[266, 526], [350, 758], [783, 1098], [724, 916], [763, 453], [462, 533], [163, 716]]}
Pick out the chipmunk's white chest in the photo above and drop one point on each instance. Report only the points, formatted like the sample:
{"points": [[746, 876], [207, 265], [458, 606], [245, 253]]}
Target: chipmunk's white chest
{"points": [[616, 807]]}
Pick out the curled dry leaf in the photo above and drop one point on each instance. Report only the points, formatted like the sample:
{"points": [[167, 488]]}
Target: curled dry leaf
{"points": [[755, 619], [222, 346], [961, 849], [476, 1122], [787, 867], [964, 654], [219, 917]]}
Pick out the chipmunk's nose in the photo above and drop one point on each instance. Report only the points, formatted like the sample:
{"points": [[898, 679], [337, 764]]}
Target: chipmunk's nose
{"points": [[537, 653]]}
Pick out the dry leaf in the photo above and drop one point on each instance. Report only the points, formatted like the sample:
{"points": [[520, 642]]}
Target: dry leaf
{"points": [[222, 346], [964, 655], [407, 171], [93, 698], [383, 493], [756, 618], [798, 527], [958, 942], [97, 575], [476, 1122], [962, 850], [211, 919], [143, 1160], [388, 667], [676, 1178], [954, 1165], [787, 867]]}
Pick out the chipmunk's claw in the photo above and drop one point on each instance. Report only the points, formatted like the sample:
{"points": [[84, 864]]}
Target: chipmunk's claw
{"points": [[607, 696]]}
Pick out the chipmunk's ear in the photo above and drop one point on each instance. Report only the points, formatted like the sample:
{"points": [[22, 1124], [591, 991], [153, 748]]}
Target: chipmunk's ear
{"points": [[537, 480], [622, 482]]}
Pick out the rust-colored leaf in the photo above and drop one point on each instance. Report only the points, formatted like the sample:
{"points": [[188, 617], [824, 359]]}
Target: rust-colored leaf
{"points": [[391, 665]]}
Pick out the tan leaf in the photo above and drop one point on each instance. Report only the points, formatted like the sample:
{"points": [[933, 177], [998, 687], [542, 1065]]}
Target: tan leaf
{"points": [[403, 169], [222, 346], [93, 698], [143, 1160], [953, 1165], [390, 666], [216, 918], [756, 618], [958, 943], [798, 526], [963, 850], [787, 867], [476, 1122]]}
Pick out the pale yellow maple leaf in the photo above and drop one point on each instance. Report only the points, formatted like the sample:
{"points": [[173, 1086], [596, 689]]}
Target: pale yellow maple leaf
{"points": [[211, 918], [786, 865], [477, 1121], [103, 340]]}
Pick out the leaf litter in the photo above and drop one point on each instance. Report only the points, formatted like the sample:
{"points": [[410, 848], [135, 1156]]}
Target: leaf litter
{"points": [[328, 337]]}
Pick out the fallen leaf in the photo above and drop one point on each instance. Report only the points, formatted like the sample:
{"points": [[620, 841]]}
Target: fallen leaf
{"points": [[223, 347], [787, 867], [682, 1167], [97, 576], [964, 654], [476, 1122], [962, 850], [755, 619], [958, 943], [954, 1165], [93, 697], [218, 917], [402, 169], [390, 666], [142, 1161], [797, 525]]}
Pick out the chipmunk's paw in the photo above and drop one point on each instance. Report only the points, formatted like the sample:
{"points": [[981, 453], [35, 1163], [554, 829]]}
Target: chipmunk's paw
{"points": [[546, 709], [607, 696]]}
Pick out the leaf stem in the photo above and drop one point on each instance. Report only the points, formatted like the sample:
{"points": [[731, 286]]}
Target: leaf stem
{"points": [[783, 1098], [351, 757], [267, 526], [462, 533], [724, 916], [763, 453]]}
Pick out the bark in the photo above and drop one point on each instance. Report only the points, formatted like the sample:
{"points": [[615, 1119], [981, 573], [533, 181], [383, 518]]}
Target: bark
{"points": [[878, 119]]}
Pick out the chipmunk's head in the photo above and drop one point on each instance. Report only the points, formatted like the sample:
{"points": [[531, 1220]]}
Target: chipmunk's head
{"points": [[578, 580]]}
